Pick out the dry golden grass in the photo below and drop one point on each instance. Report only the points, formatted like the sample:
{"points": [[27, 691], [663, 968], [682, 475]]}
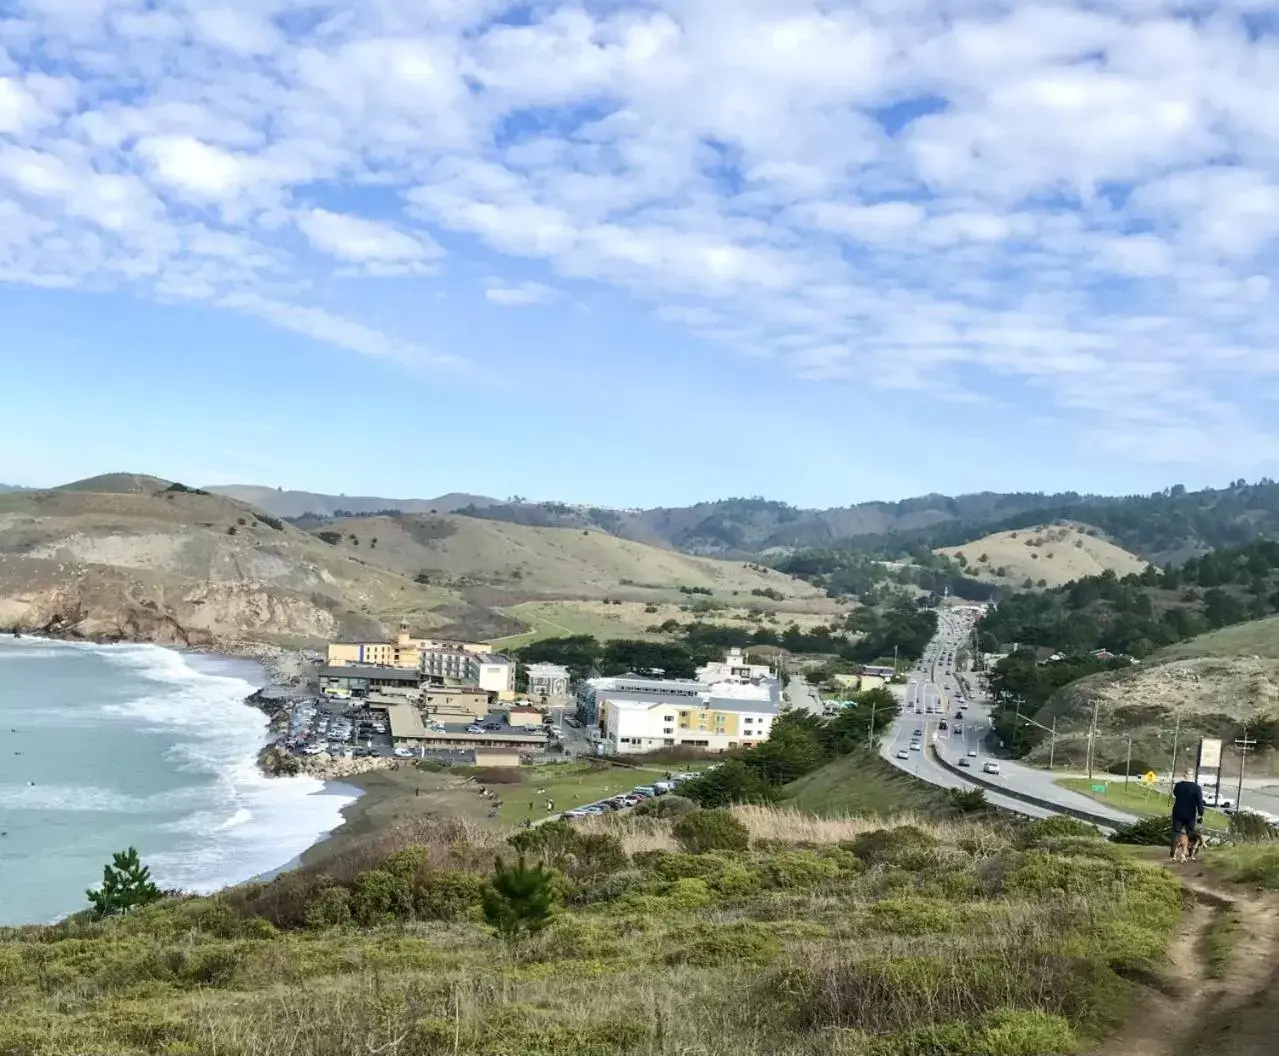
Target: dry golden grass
{"points": [[1056, 554]]}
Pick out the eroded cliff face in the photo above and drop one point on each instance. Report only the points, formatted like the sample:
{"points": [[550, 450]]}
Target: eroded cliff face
{"points": [[98, 603]]}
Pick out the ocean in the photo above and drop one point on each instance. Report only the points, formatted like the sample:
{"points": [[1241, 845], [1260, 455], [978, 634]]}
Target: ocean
{"points": [[104, 747]]}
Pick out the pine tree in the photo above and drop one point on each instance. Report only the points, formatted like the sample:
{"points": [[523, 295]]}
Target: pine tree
{"points": [[520, 899], [126, 885]]}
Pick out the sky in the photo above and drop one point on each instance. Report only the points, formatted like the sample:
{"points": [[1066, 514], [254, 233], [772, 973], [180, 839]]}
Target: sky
{"points": [[640, 253]]}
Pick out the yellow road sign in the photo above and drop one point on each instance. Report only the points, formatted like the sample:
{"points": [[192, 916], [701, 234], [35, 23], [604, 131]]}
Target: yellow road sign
{"points": [[1150, 777]]}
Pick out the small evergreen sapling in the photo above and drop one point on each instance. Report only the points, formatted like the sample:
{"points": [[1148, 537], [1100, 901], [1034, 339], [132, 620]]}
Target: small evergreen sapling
{"points": [[520, 899], [126, 885]]}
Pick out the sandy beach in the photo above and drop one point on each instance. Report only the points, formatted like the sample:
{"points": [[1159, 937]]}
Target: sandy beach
{"points": [[392, 797]]}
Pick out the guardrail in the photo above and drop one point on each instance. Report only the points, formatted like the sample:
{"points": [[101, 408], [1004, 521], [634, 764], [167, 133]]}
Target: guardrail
{"points": [[1101, 821]]}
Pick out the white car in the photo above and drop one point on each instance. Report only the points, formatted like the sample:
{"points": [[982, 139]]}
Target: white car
{"points": [[972, 753], [475, 729], [404, 753], [990, 768], [914, 746], [902, 753]]}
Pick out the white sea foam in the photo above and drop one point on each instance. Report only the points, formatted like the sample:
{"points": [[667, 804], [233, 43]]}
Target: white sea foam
{"points": [[232, 822]]}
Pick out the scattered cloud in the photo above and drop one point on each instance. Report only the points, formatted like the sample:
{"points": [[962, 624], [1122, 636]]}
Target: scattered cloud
{"points": [[1067, 205], [518, 295]]}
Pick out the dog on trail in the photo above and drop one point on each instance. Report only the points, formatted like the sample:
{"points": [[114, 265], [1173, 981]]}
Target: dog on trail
{"points": [[1187, 847]]}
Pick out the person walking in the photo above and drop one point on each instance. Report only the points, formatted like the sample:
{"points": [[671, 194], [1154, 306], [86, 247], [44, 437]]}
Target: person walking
{"points": [[1187, 810]]}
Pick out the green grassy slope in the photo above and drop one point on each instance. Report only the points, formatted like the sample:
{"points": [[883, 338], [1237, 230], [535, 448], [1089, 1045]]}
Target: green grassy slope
{"points": [[862, 942], [863, 783], [1254, 638]]}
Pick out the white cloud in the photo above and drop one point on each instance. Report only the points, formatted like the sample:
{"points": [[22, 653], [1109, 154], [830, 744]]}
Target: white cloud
{"points": [[243, 32], [1070, 204], [363, 241], [518, 295]]}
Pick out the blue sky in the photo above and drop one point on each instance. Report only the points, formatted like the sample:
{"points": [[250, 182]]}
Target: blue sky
{"points": [[639, 254]]}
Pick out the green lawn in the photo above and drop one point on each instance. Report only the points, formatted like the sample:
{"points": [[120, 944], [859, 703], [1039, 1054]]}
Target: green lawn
{"points": [[1247, 863], [573, 784], [1134, 798], [863, 783]]}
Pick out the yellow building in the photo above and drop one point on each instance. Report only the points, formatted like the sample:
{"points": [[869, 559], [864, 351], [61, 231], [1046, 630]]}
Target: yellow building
{"points": [[644, 722], [406, 652]]}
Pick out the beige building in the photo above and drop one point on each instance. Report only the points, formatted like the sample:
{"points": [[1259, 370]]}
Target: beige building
{"points": [[547, 681], [456, 703], [404, 651], [524, 717], [645, 722], [409, 731]]}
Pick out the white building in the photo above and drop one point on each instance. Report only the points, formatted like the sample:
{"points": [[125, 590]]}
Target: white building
{"points": [[646, 721], [547, 680], [444, 665], [733, 668]]}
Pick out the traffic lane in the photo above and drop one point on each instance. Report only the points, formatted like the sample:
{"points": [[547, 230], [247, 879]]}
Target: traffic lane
{"points": [[1018, 778]]}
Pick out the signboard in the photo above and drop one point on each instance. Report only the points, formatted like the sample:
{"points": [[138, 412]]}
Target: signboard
{"points": [[1099, 789], [1149, 777], [1209, 754]]}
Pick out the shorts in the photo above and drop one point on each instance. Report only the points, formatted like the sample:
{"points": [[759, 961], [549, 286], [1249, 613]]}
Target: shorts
{"points": [[1180, 825]]}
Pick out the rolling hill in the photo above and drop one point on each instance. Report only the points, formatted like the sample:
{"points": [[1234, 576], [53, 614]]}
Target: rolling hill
{"points": [[281, 503], [135, 557], [1048, 556], [1168, 525], [128, 556], [466, 552]]}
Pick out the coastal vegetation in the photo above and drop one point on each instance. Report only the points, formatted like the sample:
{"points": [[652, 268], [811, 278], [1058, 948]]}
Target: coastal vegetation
{"points": [[760, 931]]}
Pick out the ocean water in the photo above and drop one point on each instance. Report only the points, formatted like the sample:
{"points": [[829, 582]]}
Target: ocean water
{"points": [[103, 747]]}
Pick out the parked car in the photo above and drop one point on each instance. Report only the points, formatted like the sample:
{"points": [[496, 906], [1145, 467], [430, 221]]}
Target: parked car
{"points": [[903, 754], [404, 753], [646, 790], [915, 746]]}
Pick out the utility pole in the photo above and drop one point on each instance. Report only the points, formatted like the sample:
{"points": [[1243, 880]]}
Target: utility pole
{"points": [[1128, 763], [1243, 746], [1172, 774], [1092, 735], [870, 737]]}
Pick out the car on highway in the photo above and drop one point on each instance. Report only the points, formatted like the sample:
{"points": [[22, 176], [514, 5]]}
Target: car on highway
{"points": [[902, 753], [965, 762], [972, 753], [990, 767], [915, 746], [919, 733]]}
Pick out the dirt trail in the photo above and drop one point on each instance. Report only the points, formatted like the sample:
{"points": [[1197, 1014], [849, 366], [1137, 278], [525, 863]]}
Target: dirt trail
{"points": [[1192, 1014]]}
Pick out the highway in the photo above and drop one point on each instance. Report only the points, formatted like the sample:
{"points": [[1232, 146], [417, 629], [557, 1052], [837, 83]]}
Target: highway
{"points": [[934, 691]]}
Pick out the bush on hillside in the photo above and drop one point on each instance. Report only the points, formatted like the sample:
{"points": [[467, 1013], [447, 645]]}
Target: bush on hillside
{"points": [[1147, 832], [896, 846], [1034, 833], [520, 899], [710, 830], [331, 909], [1247, 827], [969, 800], [666, 807], [730, 782]]}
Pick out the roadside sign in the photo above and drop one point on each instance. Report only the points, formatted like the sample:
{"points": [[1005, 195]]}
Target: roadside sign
{"points": [[1150, 777], [1209, 754], [1099, 789]]}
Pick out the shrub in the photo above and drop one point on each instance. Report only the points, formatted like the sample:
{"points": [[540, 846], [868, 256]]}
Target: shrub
{"points": [[597, 854], [1034, 833], [969, 800], [381, 897], [552, 844], [331, 908], [666, 807], [332, 538], [899, 845], [1248, 827], [520, 899], [445, 894], [692, 892], [271, 522], [799, 869], [1146, 831], [914, 916], [732, 782], [737, 944], [710, 830]]}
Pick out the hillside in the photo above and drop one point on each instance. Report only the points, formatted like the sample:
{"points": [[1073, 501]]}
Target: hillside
{"points": [[856, 936], [1047, 555], [464, 551], [1168, 525], [281, 503], [153, 563]]}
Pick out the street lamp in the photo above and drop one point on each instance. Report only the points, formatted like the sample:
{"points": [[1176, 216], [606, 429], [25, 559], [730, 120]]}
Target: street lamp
{"points": [[1052, 743]]}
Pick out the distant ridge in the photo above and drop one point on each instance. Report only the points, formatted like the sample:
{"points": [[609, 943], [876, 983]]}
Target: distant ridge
{"points": [[282, 503], [117, 484]]}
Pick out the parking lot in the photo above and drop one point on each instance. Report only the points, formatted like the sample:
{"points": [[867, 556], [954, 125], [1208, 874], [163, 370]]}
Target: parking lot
{"points": [[344, 729]]}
